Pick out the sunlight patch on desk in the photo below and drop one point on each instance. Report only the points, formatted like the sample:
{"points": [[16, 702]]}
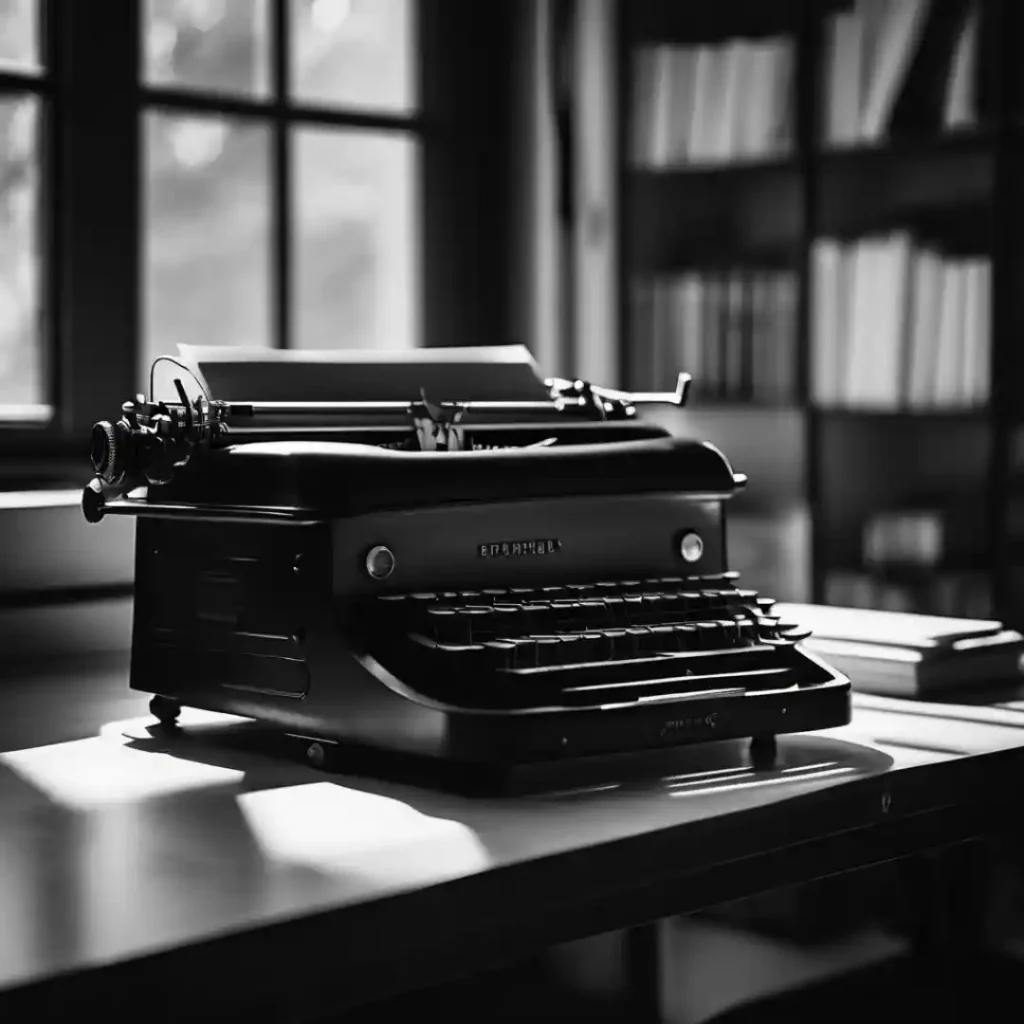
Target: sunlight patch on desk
{"points": [[41, 499], [749, 779], [711, 774], [90, 772], [327, 826]]}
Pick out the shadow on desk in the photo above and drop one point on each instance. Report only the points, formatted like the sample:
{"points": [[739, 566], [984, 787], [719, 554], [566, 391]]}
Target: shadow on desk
{"points": [[227, 769]]}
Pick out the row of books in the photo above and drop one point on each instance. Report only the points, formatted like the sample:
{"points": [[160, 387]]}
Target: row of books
{"points": [[889, 66], [899, 65], [734, 331], [958, 595], [712, 104], [898, 326]]}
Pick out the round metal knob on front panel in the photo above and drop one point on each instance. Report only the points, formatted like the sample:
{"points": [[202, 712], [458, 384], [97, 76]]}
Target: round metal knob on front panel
{"points": [[691, 547], [380, 562]]}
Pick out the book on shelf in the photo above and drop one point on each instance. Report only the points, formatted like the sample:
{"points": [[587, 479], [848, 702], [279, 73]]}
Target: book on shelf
{"points": [[895, 325], [895, 67], [906, 654], [712, 104], [734, 331]]}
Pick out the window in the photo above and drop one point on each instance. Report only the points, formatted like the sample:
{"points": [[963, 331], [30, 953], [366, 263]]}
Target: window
{"points": [[280, 174], [24, 392]]}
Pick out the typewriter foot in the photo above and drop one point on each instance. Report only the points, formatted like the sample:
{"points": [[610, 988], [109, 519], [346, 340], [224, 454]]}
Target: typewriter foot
{"points": [[322, 755], [762, 752], [165, 709]]}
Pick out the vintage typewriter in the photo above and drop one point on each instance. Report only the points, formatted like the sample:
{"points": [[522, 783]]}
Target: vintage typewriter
{"points": [[442, 555]]}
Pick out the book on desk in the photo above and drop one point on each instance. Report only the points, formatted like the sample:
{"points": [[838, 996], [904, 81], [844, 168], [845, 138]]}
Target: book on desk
{"points": [[905, 654]]}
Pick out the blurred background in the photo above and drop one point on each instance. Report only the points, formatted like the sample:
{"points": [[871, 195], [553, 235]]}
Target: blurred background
{"points": [[811, 206]]}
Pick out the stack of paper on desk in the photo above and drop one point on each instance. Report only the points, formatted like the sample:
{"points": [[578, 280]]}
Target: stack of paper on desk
{"points": [[904, 654]]}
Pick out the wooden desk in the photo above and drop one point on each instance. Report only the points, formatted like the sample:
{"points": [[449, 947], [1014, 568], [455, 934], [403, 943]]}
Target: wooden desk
{"points": [[198, 876]]}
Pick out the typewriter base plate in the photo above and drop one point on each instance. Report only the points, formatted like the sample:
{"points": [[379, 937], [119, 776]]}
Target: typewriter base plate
{"points": [[759, 752], [333, 757]]}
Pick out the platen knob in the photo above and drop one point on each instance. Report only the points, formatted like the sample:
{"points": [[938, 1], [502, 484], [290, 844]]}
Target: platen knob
{"points": [[106, 452]]}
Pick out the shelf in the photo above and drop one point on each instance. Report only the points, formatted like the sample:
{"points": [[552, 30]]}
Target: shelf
{"points": [[938, 187], [978, 141], [903, 416], [911, 575], [943, 442], [689, 175], [739, 406], [694, 217], [658, 22]]}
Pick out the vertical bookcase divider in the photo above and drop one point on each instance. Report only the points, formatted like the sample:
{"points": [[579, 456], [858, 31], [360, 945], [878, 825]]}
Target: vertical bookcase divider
{"points": [[1005, 251], [808, 122]]}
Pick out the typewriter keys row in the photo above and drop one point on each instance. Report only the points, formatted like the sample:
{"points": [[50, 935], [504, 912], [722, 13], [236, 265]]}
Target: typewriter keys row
{"points": [[580, 644], [518, 627]]}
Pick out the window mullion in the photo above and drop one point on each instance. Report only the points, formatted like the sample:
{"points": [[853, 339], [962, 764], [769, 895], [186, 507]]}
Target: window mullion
{"points": [[281, 184], [98, 175]]}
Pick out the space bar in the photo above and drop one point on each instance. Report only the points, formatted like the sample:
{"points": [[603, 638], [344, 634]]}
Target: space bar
{"points": [[762, 676], [735, 660]]}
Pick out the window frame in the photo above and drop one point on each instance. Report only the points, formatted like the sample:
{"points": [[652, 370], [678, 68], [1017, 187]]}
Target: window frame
{"points": [[38, 433], [95, 99]]}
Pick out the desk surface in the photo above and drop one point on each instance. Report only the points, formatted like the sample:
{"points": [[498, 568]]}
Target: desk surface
{"points": [[194, 860]]}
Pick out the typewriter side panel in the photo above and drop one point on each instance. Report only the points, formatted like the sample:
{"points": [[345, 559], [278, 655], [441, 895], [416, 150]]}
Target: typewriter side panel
{"points": [[220, 606], [241, 619]]}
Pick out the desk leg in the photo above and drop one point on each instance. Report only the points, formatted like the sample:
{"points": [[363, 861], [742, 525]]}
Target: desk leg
{"points": [[643, 958]]}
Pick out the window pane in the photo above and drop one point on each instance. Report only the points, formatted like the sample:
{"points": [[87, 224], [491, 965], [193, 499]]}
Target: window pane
{"points": [[207, 233], [213, 45], [19, 35], [353, 53], [355, 244], [21, 347]]}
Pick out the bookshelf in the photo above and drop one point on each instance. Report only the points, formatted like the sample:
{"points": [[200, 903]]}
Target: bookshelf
{"points": [[822, 218]]}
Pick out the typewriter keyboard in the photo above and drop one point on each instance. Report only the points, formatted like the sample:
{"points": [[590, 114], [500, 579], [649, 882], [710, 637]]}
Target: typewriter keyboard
{"points": [[586, 643]]}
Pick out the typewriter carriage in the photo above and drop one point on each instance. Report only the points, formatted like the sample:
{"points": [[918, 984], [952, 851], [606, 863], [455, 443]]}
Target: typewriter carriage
{"points": [[153, 439]]}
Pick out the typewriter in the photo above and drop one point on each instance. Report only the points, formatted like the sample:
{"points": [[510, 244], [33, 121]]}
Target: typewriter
{"points": [[442, 556]]}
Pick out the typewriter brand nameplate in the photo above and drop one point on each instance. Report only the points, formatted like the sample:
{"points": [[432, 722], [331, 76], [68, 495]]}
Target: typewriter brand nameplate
{"points": [[519, 548], [511, 544]]}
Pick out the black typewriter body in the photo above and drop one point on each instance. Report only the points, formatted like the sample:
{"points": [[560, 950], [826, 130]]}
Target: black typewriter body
{"points": [[478, 608]]}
